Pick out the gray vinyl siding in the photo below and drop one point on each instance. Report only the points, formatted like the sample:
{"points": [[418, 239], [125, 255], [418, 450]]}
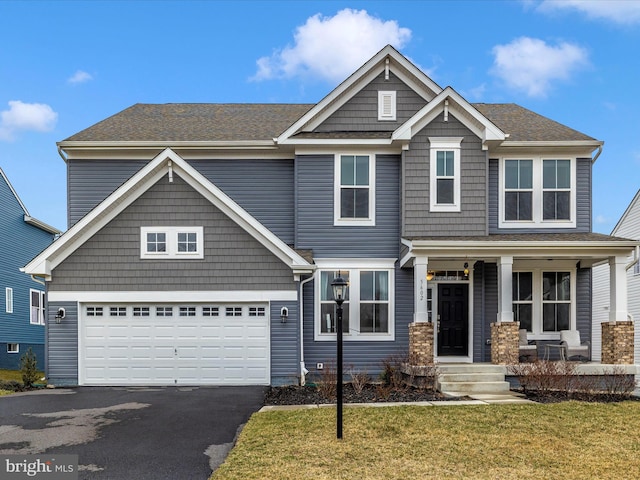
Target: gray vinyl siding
{"points": [[285, 345], [480, 334], [490, 305], [89, 182], [361, 355], [472, 218], [315, 211], [583, 201], [110, 260], [360, 113], [583, 303], [264, 187], [62, 344]]}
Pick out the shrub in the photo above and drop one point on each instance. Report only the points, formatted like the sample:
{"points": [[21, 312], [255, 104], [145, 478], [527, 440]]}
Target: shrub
{"points": [[327, 384], [29, 368], [359, 379]]}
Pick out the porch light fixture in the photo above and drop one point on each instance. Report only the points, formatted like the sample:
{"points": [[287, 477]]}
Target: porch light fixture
{"points": [[429, 276], [60, 314], [284, 314], [466, 269], [339, 286]]}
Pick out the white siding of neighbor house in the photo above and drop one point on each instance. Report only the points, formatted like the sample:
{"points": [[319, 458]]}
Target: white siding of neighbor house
{"points": [[627, 227]]}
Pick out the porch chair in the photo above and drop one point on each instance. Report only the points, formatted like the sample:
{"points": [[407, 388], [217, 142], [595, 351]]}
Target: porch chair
{"points": [[527, 350], [573, 347]]}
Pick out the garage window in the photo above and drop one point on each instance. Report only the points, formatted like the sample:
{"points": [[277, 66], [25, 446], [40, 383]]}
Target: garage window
{"points": [[234, 311], [164, 311], [256, 311], [140, 311], [187, 311], [210, 311], [171, 242], [94, 311], [118, 311]]}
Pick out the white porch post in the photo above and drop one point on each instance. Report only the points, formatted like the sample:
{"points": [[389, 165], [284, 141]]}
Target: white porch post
{"points": [[505, 309], [618, 289], [420, 265]]}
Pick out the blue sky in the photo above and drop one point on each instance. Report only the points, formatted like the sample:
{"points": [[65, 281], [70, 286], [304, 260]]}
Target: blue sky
{"points": [[67, 65]]}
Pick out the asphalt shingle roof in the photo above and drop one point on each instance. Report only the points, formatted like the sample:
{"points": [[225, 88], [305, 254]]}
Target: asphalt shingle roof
{"points": [[192, 122]]}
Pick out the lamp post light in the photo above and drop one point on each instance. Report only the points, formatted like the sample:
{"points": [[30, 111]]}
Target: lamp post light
{"points": [[339, 286]]}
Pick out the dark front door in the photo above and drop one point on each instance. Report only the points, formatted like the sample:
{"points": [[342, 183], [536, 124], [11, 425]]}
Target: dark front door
{"points": [[453, 312]]}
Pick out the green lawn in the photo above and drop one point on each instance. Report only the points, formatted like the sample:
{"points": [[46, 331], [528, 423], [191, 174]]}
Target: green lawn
{"points": [[570, 440]]}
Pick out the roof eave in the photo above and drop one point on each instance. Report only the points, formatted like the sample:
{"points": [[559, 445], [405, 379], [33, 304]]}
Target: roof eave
{"points": [[41, 225]]}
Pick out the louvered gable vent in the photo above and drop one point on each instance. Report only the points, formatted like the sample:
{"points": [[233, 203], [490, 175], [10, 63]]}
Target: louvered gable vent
{"points": [[386, 105]]}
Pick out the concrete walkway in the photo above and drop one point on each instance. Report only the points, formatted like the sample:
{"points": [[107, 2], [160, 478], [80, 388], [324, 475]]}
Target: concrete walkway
{"points": [[476, 399]]}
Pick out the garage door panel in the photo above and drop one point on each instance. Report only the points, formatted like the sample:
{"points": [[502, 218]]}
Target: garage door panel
{"points": [[174, 349]]}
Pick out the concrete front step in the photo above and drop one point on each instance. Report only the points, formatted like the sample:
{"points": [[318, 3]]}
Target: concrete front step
{"points": [[472, 378], [473, 387]]}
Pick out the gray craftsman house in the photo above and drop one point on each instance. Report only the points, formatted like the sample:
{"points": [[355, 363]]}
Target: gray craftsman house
{"points": [[203, 238]]}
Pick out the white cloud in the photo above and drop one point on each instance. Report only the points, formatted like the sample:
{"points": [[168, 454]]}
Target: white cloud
{"points": [[22, 116], [618, 11], [79, 77], [531, 65], [600, 219], [332, 47]]}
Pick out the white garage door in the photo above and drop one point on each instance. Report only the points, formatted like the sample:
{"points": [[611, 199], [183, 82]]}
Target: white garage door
{"points": [[174, 344]]}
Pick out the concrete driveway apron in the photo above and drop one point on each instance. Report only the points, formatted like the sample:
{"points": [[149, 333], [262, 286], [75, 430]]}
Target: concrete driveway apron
{"points": [[130, 432]]}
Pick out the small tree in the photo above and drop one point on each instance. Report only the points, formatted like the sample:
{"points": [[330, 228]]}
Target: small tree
{"points": [[29, 368]]}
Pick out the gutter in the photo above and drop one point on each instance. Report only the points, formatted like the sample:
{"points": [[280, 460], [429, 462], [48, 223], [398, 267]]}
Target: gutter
{"points": [[593, 160]]}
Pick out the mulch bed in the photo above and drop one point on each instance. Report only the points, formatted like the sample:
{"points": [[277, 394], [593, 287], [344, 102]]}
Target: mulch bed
{"points": [[371, 393], [309, 395]]}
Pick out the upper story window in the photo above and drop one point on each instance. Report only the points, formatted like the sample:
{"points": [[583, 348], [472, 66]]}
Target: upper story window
{"points": [[444, 160], [354, 190], [537, 192], [37, 307], [636, 268], [8, 299], [171, 242], [367, 313], [386, 105]]}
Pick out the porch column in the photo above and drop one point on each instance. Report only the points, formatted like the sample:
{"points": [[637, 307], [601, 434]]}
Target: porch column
{"points": [[504, 332], [421, 330], [618, 289], [505, 294], [420, 265]]}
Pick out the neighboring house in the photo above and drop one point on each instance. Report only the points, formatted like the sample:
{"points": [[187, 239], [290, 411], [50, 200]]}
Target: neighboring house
{"points": [[204, 237], [629, 227], [22, 304]]}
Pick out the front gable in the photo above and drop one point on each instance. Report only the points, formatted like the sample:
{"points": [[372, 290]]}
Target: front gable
{"points": [[166, 164]]}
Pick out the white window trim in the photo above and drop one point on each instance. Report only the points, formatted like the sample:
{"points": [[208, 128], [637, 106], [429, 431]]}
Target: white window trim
{"points": [[13, 350], [536, 200], [172, 243], [354, 267], [8, 292], [387, 115], [41, 308], [448, 144], [536, 310], [370, 221]]}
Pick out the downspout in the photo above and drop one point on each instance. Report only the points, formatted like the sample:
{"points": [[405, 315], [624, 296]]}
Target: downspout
{"points": [[593, 160], [636, 258], [303, 369], [37, 280]]}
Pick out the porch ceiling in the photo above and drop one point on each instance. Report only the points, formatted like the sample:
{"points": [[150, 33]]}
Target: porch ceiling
{"points": [[588, 247]]}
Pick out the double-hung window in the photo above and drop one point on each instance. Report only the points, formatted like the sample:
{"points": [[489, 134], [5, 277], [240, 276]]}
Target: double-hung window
{"points": [[518, 189], [8, 299], [444, 162], [37, 315], [354, 190], [537, 192], [368, 307], [544, 301], [171, 242]]}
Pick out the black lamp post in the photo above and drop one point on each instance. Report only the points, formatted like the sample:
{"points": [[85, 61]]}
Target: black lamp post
{"points": [[339, 286]]}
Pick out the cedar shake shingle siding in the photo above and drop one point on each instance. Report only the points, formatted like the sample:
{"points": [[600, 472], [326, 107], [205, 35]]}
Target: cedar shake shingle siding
{"points": [[110, 260]]}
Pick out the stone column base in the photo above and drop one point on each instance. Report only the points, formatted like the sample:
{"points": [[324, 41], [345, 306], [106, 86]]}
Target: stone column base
{"points": [[504, 343], [617, 343], [421, 343]]}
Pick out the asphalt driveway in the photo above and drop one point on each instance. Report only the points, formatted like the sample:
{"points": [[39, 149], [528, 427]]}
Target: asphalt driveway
{"points": [[130, 433]]}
